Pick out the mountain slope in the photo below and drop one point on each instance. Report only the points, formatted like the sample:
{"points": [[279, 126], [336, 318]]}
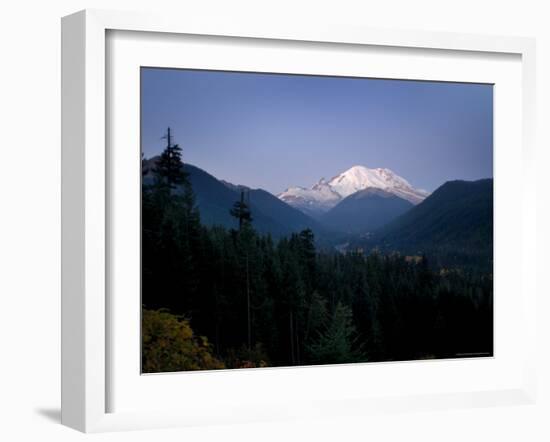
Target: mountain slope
{"points": [[325, 195], [456, 219], [365, 211], [292, 219], [215, 198]]}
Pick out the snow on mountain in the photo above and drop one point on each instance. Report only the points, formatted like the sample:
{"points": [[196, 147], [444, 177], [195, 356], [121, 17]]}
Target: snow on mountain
{"points": [[313, 201], [360, 177], [324, 195]]}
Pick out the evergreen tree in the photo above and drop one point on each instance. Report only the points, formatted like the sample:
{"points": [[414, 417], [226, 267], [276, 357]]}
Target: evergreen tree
{"points": [[336, 343], [168, 170], [241, 211], [170, 235], [245, 239]]}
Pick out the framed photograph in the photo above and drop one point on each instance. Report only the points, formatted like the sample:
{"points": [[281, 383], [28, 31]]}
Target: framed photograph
{"points": [[274, 222]]}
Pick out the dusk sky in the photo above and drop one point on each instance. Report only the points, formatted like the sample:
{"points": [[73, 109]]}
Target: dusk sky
{"points": [[274, 131]]}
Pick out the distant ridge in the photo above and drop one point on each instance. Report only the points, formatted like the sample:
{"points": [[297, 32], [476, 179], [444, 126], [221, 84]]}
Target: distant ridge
{"points": [[215, 198], [456, 220], [365, 210]]}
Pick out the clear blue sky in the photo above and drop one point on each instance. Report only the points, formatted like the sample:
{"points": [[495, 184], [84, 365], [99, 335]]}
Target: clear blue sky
{"points": [[275, 131]]}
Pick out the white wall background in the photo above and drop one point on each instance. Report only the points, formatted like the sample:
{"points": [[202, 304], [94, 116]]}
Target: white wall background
{"points": [[30, 216]]}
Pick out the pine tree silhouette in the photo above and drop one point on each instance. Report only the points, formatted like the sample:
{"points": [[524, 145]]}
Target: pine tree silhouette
{"points": [[169, 168], [241, 211]]}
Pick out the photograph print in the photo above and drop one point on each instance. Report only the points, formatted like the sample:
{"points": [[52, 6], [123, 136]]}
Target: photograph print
{"points": [[298, 220]]}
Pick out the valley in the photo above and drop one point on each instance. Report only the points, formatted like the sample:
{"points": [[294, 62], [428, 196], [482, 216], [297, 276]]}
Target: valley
{"points": [[361, 209]]}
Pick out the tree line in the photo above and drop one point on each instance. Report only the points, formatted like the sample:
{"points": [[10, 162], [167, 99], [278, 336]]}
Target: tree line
{"points": [[226, 298]]}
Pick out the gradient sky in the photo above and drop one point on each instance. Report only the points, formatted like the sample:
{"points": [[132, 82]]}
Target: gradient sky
{"points": [[275, 131]]}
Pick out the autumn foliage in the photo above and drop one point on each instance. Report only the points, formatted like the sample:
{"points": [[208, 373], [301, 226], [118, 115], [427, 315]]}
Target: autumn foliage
{"points": [[169, 344]]}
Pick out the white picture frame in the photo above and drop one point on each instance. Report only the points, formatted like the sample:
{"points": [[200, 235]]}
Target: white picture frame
{"points": [[86, 204]]}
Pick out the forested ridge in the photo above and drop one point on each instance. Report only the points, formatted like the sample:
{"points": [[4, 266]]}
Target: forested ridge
{"points": [[228, 298], [454, 225]]}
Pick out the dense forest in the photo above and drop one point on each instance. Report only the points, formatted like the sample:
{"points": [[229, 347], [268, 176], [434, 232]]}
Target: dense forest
{"points": [[216, 297]]}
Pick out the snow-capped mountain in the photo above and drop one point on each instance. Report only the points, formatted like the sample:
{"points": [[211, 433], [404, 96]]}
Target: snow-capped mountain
{"points": [[324, 195]]}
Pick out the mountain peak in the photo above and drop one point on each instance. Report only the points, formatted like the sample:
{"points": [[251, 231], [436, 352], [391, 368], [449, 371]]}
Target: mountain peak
{"points": [[324, 195], [357, 167]]}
